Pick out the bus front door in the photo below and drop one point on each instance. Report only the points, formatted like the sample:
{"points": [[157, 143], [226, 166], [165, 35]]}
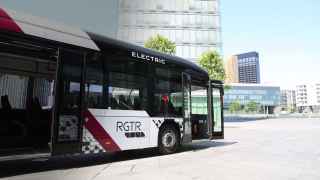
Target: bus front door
{"points": [[67, 126], [186, 89], [217, 111]]}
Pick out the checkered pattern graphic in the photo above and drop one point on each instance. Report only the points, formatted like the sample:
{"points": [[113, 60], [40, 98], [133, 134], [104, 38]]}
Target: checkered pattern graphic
{"points": [[68, 128], [90, 145], [157, 123]]}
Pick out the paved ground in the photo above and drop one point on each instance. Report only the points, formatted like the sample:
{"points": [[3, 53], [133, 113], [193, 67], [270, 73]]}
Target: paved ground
{"points": [[264, 150]]}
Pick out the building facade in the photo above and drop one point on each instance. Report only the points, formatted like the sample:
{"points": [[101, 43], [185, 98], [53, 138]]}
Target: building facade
{"points": [[243, 68], [288, 100], [265, 96], [194, 25], [249, 67], [232, 70], [308, 97]]}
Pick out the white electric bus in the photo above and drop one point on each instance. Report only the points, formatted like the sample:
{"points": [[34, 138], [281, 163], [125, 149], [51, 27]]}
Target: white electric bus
{"points": [[66, 91]]}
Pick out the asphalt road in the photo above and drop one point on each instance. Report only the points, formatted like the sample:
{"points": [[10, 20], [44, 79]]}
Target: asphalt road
{"points": [[262, 150]]}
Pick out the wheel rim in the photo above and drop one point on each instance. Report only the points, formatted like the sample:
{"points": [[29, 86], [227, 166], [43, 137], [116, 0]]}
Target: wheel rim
{"points": [[169, 139]]}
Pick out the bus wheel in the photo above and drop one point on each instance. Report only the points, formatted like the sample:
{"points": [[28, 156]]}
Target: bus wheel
{"points": [[168, 140]]}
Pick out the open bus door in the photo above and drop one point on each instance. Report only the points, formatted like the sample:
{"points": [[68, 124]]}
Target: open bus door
{"points": [[216, 122], [68, 120], [186, 84]]}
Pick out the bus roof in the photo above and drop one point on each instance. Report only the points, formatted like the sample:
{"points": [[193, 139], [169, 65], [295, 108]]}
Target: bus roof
{"points": [[40, 27], [103, 40]]}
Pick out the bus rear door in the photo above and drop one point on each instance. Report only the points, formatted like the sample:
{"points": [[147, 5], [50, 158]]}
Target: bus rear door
{"points": [[186, 84], [216, 127]]}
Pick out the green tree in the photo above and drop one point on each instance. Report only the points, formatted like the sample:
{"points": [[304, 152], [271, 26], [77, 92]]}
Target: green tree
{"points": [[252, 106], [235, 106], [227, 87], [212, 62], [291, 109], [161, 43]]}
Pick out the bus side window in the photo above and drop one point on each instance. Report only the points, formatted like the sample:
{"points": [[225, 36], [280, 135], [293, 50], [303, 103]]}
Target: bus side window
{"points": [[95, 87], [125, 98], [128, 88], [167, 98]]}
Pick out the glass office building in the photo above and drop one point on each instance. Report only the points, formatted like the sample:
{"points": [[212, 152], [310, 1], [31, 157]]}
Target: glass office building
{"points": [[249, 67], [243, 68], [194, 25], [265, 96]]}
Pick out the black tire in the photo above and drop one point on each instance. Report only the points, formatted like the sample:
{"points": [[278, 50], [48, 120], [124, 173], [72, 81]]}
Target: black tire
{"points": [[169, 139]]}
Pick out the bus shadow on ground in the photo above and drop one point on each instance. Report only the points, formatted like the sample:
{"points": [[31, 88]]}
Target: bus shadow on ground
{"points": [[21, 167]]}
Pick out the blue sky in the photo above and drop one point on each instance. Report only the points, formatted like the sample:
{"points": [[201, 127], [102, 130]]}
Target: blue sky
{"points": [[286, 33]]}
